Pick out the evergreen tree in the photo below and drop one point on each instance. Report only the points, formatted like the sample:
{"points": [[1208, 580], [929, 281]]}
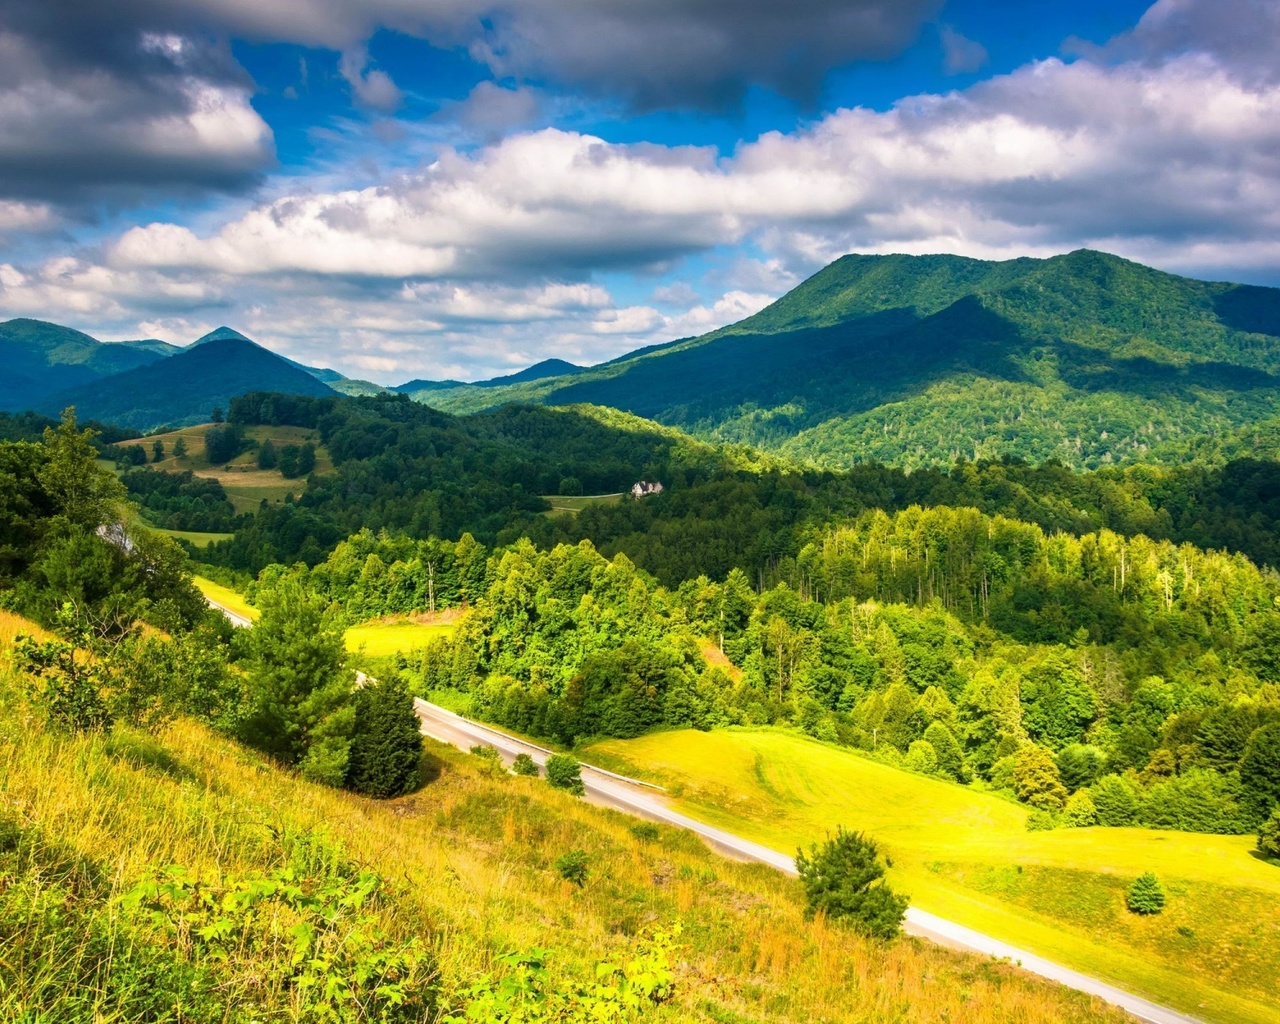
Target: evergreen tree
{"points": [[1146, 895], [843, 879], [1115, 800], [267, 458], [1260, 770], [1036, 780], [157, 451], [299, 685], [947, 748], [180, 448], [386, 745]]}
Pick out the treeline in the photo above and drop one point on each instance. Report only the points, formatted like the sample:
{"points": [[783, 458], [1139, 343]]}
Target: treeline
{"points": [[183, 501], [407, 468], [1100, 679]]}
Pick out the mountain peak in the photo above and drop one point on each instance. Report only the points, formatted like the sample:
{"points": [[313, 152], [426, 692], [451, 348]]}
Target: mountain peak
{"points": [[223, 333]]}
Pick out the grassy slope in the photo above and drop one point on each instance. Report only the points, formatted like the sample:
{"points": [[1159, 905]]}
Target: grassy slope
{"points": [[471, 857], [245, 484], [967, 856]]}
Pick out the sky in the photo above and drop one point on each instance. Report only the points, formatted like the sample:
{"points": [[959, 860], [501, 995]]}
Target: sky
{"points": [[460, 188]]}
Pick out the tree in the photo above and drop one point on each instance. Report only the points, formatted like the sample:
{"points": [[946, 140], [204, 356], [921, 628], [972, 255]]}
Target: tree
{"points": [[1058, 701], [1115, 800], [180, 448], [947, 749], [573, 867], [267, 458], [1146, 895], [222, 444], [1080, 765], [1080, 811], [82, 493], [524, 765], [300, 687], [843, 879], [1260, 770], [1269, 835], [1036, 780], [563, 772], [386, 746], [217, 414], [157, 451], [921, 757]]}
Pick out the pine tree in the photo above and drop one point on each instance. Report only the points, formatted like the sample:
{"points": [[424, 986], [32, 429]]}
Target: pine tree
{"points": [[386, 747], [844, 879], [1146, 895]]}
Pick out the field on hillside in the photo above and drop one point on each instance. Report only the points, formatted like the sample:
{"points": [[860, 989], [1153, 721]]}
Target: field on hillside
{"points": [[246, 485], [468, 868], [200, 540], [573, 504], [967, 856]]}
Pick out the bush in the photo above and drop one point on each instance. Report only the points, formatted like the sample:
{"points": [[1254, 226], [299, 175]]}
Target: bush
{"points": [[1080, 811], [490, 760], [1197, 801], [1042, 821], [1146, 895], [525, 765], [844, 880], [1269, 835], [563, 772], [1115, 800], [646, 832], [573, 867]]}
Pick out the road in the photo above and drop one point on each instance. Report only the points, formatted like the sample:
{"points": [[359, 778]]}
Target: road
{"points": [[644, 800]]}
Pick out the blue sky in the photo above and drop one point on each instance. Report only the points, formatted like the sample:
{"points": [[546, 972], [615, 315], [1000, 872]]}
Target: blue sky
{"points": [[432, 188]]}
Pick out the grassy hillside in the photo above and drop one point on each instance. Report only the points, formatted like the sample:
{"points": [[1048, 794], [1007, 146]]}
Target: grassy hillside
{"points": [[184, 388], [1086, 358], [467, 869], [967, 856]]}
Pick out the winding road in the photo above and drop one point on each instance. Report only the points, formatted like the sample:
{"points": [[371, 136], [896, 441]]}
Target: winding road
{"points": [[644, 800]]}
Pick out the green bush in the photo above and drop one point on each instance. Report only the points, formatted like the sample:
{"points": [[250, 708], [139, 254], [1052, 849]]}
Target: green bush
{"points": [[563, 772], [1146, 895], [524, 765], [646, 831], [844, 880], [1041, 820], [573, 867], [1115, 800], [386, 747], [1269, 835], [921, 757], [1080, 811]]}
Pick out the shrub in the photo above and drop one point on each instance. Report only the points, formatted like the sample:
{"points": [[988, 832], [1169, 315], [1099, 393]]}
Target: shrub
{"points": [[1036, 780], [1080, 811], [1042, 821], [646, 831], [490, 760], [1146, 895], [1115, 800], [563, 772], [524, 765], [1269, 835], [386, 747], [921, 757], [573, 867], [844, 880], [1197, 801]]}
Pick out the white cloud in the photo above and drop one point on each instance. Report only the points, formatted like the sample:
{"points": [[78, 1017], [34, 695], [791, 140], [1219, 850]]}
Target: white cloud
{"points": [[371, 87], [961, 55]]}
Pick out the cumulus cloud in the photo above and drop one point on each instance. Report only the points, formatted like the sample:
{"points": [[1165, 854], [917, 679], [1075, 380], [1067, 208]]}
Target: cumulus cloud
{"points": [[1171, 159], [371, 87], [492, 110]]}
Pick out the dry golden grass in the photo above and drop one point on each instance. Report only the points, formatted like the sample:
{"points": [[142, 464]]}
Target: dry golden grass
{"points": [[472, 856]]}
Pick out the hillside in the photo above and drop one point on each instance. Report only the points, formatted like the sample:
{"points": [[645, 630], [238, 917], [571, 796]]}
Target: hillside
{"points": [[1085, 357], [182, 389], [538, 371], [465, 867], [41, 358]]}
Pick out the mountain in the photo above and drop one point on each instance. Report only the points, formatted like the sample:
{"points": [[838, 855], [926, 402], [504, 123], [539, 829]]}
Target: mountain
{"points": [[538, 371], [184, 388], [920, 360], [318, 372], [40, 358]]}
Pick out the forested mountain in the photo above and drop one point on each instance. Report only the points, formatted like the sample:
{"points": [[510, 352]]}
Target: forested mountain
{"points": [[538, 371], [185, 387], [40, 358], [918, 360]]}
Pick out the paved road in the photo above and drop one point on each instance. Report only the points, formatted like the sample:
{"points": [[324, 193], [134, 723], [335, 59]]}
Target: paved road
{"points": [[632, 796]]}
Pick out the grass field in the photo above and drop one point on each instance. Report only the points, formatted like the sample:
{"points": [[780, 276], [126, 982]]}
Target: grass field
{"points": [[573, 504], [382, 639], [469, 861], [246, 485], [200, 540], [965, 855], [226, 597]]}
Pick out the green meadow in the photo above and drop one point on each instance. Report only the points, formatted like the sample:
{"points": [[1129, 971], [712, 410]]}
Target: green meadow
{"points": [[967, 856]]}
